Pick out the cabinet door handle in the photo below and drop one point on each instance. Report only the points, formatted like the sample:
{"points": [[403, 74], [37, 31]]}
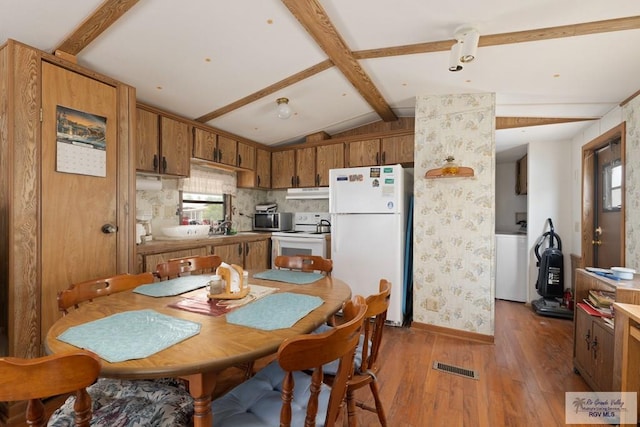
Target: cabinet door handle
{"points": [[164, 164], [297, 180], [587, 339], [215, 154], [317, 179], [219, 155], [239, 248], [258, 180], [155, 162], [246, 248], [384, 156], [292, 181], [377, 158], [594, 348], [239, 160]]}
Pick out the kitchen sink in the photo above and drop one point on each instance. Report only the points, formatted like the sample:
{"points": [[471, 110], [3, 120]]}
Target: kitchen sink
{"points": [[186, 231]]}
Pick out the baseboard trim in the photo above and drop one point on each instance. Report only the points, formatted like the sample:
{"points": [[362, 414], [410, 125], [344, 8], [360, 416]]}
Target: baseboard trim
{"points": [[455, 333]]}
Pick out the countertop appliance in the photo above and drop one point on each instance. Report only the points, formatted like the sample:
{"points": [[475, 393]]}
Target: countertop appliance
{"points": [[272, 221], [511, 266], [369, 209], [266, 208], [304, 238]]}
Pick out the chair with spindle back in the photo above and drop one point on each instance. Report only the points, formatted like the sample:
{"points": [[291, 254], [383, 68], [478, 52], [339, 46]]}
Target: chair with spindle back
{"points": [[283, 393], [306, 263], [366, 365], [44, 377], [177, 267], [90, 289], [119, 401]]}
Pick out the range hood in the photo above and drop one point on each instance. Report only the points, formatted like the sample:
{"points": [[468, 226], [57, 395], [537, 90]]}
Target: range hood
{"points": [[308, 193]]}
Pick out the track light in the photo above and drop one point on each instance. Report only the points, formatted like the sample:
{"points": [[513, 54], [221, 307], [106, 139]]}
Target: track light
{"points": [[454, 58], [468, 38], [284, 110]]}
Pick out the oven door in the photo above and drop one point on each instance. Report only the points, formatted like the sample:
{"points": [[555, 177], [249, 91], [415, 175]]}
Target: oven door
{"points": [[284, 245]]}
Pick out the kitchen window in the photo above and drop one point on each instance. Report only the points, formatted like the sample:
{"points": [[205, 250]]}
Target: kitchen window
{"points": [[199, 208]]}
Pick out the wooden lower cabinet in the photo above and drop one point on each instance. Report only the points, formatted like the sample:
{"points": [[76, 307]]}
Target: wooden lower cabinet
{"points": [[250, 255], [151, 261], [594, 350]]}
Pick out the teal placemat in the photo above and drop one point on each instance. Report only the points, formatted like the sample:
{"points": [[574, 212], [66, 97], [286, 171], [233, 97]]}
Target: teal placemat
{"points": [[130, 335], [288, 276], [171, 287], [275, 311]]}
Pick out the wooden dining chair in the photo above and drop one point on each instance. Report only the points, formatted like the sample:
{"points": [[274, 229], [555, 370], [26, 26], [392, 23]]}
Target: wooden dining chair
{"points": [[90, 289], [304, 263], [44, 377], [119, 401], [366, 364], [177, 267], [283, 393]]}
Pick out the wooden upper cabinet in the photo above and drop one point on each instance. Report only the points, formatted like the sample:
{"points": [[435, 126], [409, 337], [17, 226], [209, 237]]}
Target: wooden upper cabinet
{"points": [[263, 168], [227, 151], [328, 157], [175, 147], [305, 167], [204, 144], [397, 149], [283, 166], [246, 156], [147, 141], [363, 153]]}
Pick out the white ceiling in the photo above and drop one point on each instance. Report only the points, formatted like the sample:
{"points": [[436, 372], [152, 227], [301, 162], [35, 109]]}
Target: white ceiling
{"points": [[194, 57]]}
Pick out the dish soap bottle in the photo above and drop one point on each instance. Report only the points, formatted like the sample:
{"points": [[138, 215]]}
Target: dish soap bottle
{"points": [[450, 168]]}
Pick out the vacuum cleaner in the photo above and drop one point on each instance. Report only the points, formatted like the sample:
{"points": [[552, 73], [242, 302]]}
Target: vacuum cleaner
{"points": [[550, 283]]}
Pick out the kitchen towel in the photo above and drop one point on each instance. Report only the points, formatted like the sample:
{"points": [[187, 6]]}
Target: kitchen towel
{"points": [[172, 287], [275, 311], [289, 276], [130, 335]]}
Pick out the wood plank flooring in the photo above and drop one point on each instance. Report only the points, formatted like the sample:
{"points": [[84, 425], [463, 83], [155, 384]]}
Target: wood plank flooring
{"points": [[523, 375]]}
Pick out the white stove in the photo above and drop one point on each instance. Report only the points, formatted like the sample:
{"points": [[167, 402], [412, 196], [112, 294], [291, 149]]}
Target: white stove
{"points": [[303, 239], [305, 225]]}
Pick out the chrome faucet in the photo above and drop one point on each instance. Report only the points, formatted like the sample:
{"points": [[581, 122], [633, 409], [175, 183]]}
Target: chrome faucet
{"points": [[225, 227]]}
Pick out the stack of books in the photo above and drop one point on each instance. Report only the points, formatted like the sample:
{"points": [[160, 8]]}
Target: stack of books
{"points": [[599, 303]]}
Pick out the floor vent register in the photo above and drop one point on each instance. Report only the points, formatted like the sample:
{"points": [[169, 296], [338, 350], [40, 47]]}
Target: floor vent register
{"points": [[467, 373]]}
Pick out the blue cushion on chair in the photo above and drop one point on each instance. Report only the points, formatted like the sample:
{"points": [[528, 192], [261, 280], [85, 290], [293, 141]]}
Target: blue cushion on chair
{"points": [[332, 367], [257, 401], [125, 403]]}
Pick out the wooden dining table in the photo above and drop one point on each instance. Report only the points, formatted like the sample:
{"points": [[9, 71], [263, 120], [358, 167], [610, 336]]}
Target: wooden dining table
{"points": [[217, 346]]}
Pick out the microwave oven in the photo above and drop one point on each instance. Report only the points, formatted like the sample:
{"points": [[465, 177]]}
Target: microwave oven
{"points": [[272, 221]]}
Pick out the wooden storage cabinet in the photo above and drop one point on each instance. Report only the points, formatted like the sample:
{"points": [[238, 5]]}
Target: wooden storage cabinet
{"points": [[246, 156], [363, 153], [283, 166], [263, 168], [521, 176], [397, 149], [250, 255], [163, 144], [594, 349], [328, 157], [215, 148], [151, 261]]}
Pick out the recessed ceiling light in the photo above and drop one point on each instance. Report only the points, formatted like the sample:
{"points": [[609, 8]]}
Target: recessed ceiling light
{"points": [[269, 21], [556, 75], [207, 59], [159, 87]]}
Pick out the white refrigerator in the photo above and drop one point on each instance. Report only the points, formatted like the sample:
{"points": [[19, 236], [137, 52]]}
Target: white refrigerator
{"points": [[369, 210]]}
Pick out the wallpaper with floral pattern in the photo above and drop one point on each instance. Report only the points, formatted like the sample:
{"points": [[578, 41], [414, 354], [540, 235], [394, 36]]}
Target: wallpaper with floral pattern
{"points": [[454, 218], [631, 114]]}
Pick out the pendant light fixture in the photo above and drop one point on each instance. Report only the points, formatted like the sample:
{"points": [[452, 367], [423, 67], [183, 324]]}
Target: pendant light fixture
{"points": [[465, 48], [283, 109]]}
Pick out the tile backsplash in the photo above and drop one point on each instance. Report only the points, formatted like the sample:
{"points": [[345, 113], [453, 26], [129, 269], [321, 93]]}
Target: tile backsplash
{"points": [[163, 204]]}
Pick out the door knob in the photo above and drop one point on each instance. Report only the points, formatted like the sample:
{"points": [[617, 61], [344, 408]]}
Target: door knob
{"points": [[109, 228], [596, 242]]}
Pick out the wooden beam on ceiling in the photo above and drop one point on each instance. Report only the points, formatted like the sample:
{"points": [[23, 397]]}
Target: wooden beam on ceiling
{"points": [[95, 24], [573, 30], [267, 91], [519, 122], [315, 20]]}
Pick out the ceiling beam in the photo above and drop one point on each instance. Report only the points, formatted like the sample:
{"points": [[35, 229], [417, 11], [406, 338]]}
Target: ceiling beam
{"points": [[95, 24], [519, 122], [267, 91], [573, 30], [315, 20]]}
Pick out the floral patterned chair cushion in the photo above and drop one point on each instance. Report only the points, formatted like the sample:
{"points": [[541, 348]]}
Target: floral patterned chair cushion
{"points": [[125, 403]]}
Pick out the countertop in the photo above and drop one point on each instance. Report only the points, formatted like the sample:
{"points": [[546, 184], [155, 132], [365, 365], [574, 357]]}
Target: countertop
{"points": [[159, 246]]}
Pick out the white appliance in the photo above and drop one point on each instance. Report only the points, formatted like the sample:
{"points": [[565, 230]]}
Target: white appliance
{"points": [[307, 193], [511, 267], [369, 210], [303, 239]]}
